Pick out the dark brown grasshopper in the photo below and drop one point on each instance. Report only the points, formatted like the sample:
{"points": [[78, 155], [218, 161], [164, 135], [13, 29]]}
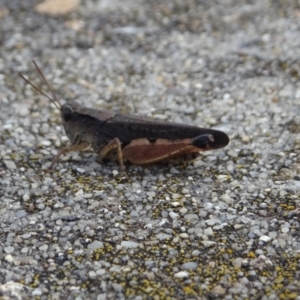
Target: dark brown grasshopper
{"points": [[139, 140]]}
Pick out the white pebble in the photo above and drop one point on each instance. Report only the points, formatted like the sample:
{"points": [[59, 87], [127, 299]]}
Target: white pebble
{"points": [[80, 170], [115, 172], [208, 243], [232, 153], [129, 244], [163, 222], [183, 210], [36, 292], [173, 215], [189, 265], [9, 249], [10, 164], [227, 199], [208, 206], [208, 231], [92, 274], [95, 245], [184, 235], [26, 197], [46, 143], [9, 258], [43, 247], [264, 238], [181, 274], [23, 111], [25, 250], [100, 272], [79, 193]]}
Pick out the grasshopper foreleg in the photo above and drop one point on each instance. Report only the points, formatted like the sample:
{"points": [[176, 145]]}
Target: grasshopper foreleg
{"points": [[76, 147], [112, 145]]}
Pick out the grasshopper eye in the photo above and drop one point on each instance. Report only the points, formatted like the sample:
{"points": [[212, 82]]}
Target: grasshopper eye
{"points": [[67, 112]]}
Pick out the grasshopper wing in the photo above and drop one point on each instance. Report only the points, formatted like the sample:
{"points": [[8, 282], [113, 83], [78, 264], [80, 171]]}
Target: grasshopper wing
{"points": [[128, 128]]}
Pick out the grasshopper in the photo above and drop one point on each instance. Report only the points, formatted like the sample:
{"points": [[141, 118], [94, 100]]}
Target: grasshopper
{"points": [[138, 140]]}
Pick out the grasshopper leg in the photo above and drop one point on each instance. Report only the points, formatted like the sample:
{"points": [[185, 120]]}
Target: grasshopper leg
{"points": [[112, 145], [76, 147]]}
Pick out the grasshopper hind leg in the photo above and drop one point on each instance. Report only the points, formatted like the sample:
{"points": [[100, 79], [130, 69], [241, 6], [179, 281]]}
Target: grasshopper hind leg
{"points": [[106, 151]]}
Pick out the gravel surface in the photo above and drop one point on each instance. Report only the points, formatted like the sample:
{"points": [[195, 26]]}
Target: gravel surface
{"points": [[225, 226]]}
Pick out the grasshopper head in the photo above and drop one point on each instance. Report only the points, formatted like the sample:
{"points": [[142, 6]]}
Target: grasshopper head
{"points": [[69, 115], [68, 111]]}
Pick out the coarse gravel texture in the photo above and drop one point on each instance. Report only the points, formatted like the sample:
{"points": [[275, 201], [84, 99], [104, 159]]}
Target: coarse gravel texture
{"points": [[223, 227]]}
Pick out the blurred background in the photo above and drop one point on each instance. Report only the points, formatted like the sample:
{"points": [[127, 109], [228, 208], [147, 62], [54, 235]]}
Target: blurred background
{"points": [[223, 227]]}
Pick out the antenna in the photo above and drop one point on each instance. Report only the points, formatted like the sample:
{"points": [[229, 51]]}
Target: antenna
{"points": [[54, 100]]}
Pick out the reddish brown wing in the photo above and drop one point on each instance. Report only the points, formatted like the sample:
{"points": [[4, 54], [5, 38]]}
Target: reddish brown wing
{"points": [[142, 151]]}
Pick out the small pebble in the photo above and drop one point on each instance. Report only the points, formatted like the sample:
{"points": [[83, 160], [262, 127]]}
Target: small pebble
{"points": [[95, 245], [43, 247], [129, 244], [10, 164], [9, 258], [264, 238], [181, 274], [36, 293], [189, 266], [9, 249]]}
